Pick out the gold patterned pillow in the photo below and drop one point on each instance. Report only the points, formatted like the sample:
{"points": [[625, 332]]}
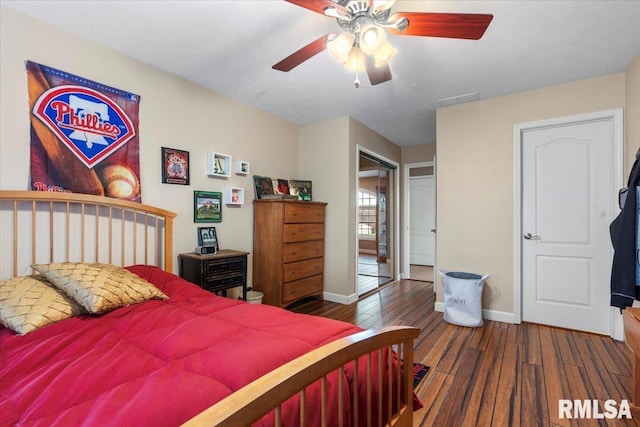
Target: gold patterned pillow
{"points": [[99, 287], [29, 302]]}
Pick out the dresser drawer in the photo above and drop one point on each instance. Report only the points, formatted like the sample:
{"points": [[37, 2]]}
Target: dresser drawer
{"points": [[303, 250], [225, 281], [233, 263], [301, 269], [303, 232], [300, 288], [301, 213]]}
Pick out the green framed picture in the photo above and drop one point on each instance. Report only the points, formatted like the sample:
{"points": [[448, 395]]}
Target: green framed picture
{"points": [[207, 206]]}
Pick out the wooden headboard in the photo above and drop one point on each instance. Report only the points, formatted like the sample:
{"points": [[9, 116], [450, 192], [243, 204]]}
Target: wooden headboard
{"points": [[44, 227]]}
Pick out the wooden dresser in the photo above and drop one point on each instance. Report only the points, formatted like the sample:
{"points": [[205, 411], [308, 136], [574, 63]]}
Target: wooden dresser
{"points": [[288, 250]]}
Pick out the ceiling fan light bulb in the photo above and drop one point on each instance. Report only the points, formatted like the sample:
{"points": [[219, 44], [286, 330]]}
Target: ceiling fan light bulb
{"points": [[356, 59], [372, 38], [384, 55], [340, 47]]}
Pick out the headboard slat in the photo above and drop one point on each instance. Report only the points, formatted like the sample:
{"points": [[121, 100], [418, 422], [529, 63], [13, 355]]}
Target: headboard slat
{"points": [[68, 231], [82, 221], [97, 216], [15, 237], [83, 227], [34, 230]]}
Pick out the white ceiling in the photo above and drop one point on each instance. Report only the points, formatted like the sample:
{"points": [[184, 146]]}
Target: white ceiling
{"points": [[230, 46]]}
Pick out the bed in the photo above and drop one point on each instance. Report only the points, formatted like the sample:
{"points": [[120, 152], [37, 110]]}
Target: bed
{"points": [[181, 355]]}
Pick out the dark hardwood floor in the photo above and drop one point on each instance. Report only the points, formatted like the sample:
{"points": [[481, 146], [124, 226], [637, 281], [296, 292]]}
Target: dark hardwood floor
{"points": [[499, 374]]}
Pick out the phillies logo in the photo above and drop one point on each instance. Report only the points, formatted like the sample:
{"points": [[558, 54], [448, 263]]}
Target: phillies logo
{"points": [[91, 125]]}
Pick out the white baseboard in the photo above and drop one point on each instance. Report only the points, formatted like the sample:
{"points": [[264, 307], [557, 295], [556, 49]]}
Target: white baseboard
{"points": [[341, 299], [498, 316]]}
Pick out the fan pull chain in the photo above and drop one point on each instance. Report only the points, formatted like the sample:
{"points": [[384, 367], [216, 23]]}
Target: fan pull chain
{"points": [[357, 82]]}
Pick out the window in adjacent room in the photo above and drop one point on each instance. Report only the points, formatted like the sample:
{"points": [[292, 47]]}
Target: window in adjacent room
{"points": [[367, 201]]}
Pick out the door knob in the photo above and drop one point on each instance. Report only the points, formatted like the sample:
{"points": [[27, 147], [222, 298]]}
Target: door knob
{"points": [[528, 236], [433, 230]]}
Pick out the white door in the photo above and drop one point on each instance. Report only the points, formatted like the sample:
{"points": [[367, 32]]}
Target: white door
{"points": [[567, 177], [422, 220]]}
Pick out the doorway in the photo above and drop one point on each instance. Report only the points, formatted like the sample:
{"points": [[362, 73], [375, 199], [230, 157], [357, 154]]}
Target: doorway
{"points": [[569, 169], [375, 222], [420, 217]]}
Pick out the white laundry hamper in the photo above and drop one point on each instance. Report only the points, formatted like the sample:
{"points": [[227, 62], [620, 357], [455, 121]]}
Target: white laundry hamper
{"points": [[463, 298]]}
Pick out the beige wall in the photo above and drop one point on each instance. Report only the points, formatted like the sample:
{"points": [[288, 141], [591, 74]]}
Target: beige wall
{"points": [[418, 153], [173, 113], [632, 114], [328, 156], [475, 169], [324, 159]]}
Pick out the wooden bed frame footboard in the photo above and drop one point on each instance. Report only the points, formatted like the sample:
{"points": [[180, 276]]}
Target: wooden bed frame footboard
{"points": [[267, 393], [45, 227]]}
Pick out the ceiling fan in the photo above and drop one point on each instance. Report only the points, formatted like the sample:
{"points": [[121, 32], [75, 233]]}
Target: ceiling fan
{"points": [[363, 45]]}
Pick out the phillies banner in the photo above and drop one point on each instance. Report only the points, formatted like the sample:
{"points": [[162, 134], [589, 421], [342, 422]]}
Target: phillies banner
{"points": [[84, 135]]}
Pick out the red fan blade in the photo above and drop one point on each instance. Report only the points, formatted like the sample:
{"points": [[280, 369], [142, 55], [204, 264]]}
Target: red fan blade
{"points": [[379, 74], [452, 25], [319, 6], [301, 55]]}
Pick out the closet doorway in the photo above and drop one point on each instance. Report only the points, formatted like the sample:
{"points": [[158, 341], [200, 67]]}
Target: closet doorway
{"points": [[376, 218]]}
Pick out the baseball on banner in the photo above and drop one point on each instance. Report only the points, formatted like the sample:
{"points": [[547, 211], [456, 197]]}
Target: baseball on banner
{"points": [[119, 182]]}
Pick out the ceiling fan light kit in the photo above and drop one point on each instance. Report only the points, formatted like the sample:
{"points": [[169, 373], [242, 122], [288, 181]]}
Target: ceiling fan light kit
{"points": [[363, 44], [340, 46], [356, 61], [372, 38], [384, 55]]}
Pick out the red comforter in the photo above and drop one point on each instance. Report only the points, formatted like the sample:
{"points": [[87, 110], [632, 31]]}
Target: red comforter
{"points": [[157, 363]]}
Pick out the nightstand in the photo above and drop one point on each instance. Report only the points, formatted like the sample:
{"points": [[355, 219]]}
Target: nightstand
{"points": [[216, 273]]}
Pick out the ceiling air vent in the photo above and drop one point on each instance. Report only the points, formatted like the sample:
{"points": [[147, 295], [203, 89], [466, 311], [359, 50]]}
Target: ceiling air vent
{"points": [[460, 99]]}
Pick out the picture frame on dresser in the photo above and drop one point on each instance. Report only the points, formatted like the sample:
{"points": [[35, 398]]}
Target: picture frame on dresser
{"points": [[207, 206], [301, 189]]}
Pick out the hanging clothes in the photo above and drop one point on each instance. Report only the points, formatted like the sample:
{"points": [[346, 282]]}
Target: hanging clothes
{"points": [[623, 232]]}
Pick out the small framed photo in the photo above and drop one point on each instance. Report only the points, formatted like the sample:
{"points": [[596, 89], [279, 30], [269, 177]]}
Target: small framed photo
{"points": [[175, 166], [263, 186], [207, 206], [207, 237], [302, 189]]}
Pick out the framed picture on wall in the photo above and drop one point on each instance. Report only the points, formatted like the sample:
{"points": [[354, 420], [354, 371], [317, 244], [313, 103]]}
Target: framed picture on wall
{"points": [[175, 166], [207, 206]]}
